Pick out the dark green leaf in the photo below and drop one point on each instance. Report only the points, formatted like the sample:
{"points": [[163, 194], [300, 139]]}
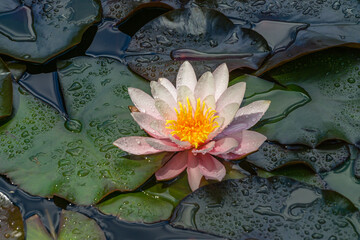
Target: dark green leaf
{"points": [[273, 208], [5, 90], [76, 159], [205, 37], [39, 30], [332, 80]]}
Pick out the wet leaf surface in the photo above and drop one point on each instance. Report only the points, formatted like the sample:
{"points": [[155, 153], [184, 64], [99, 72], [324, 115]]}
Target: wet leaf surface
{"points": [[5, 90], [301, 27], [331, 78], [343, 179], [76, 159], [204, 37], [149, 206], [120, 9], [272, 156], [72, 226], [260, 89], [11, 222], [273, 208], [40, 30]]}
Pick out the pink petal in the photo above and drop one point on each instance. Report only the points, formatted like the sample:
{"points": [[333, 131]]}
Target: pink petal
{"points": [[160, 92], [148, 122], [211, 168], [186, 76], [144, 102], [230, 156], [210, 102], [248, 116], [205, 86], [165, 110], [169, 86], [173, 167], [193, 171], [163, 145], [205, 148], [224, 145], [233, 94], [251, 141], [221, 76], [220, 121], [135, 145]]}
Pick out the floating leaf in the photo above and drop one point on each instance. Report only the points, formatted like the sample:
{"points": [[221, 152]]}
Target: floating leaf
{"points": [[205, 37], [298, 172], [5, 90], [272, 156], [273, 208], [120, 9], [259, 89], [149, 206], [332, 80], [11, 222], [342, 179], [39, 30], [76, 159], [301, 27], [72, 226]]}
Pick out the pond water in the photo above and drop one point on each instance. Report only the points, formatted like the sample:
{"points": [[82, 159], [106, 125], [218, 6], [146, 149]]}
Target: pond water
{"points": [[65, 70]]}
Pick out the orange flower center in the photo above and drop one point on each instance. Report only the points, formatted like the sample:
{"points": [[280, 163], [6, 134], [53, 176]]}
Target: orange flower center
{"points": [[191, 125]]}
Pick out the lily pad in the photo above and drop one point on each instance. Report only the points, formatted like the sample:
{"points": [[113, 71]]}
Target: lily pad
{"points": [[72, 226], [148, 206], [204, 37], [40, 30], [260, 89], [272, 156], [11, 222], [273, 208], [75, 159], [343, 179], [331, 78], [301, 27], [5, 90], [120, 9]]}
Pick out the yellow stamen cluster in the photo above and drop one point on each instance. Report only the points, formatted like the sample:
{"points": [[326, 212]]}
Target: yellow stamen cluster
{"points": [[193, 126]]}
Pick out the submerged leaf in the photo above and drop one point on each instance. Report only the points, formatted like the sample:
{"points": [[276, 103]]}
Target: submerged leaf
{"points": [[273, 208], [5, 90], [39, 30], [11, 222], [76, 159], [204, 37], [72, 226]]}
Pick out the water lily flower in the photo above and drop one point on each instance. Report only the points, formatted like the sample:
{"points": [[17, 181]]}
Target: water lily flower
{"points": [[198, 120]]}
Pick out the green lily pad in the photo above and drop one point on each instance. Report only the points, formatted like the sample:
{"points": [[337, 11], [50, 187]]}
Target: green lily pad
{"points": [[5, 90], [272, 156], [343, 179], [40, 30], [259, 89], [158, 202], [148, 206], [298, 172], [204, 37], [72, 226], [11, 222], [273, 208], [75, 159], [331, 78]]}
